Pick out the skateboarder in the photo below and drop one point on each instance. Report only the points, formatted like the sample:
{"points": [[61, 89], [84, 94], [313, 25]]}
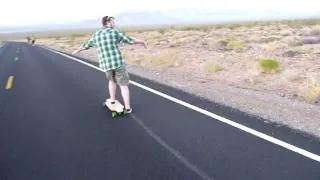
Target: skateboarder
{"points": [[106, 40], [28, 39], [33, 40]]}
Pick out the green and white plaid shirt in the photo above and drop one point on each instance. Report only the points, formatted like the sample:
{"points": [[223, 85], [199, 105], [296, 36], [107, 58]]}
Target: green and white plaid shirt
{"points": [[106, 41]]}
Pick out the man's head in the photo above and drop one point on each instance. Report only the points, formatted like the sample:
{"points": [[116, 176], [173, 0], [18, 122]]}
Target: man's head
{"points": [[108, 21]]}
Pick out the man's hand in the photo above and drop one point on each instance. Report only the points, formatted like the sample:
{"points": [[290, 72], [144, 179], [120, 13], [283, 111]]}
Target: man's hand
{"points": [[142, 42], [77, 51]]}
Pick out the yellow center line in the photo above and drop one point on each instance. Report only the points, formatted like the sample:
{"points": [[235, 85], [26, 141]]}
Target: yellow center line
{"points": [[9, 82]]}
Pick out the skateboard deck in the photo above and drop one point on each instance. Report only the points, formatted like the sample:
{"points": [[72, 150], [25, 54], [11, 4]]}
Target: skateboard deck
{"points": [[116, 108]]}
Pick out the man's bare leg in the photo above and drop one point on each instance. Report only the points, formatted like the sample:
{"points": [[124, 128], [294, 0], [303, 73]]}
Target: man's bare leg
{"points": [[126, 96], [112, 89]]}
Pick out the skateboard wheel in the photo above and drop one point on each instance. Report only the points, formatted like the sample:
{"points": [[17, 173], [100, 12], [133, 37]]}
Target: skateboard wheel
{"points": [[114, 114]]}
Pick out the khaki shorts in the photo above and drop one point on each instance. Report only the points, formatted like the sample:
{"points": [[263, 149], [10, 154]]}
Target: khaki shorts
{"points": [[119, 75]]}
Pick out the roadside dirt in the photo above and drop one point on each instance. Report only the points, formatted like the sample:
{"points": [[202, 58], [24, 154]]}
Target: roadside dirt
{"points": [[223, 65]]}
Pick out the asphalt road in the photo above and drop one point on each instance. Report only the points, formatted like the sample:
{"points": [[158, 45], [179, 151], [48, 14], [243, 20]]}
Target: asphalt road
{"points": [[52, 126]]}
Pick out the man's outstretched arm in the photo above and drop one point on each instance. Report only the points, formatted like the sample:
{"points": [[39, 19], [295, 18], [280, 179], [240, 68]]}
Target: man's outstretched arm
{"points": [[130, 40], [87, 45], [139, 41]]}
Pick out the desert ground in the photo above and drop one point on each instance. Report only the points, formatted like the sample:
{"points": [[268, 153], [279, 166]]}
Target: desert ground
{"points": [[268, 69]]}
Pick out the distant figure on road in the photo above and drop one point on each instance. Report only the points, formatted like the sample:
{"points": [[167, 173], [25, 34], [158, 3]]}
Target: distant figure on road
{"points": [[28, 39], [33, 40], [106, 40]]}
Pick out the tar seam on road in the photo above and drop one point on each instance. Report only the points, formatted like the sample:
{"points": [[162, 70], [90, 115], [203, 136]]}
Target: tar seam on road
{"points": [[210, 114], [9, 82], [174, 152]]}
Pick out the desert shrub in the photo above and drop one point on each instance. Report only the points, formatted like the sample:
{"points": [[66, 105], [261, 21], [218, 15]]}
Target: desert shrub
{"points": [[269, 65], [212, 67], [312, 93], [161, 31], [236, 44], [315, 31], [275, 46], [230, 43]]}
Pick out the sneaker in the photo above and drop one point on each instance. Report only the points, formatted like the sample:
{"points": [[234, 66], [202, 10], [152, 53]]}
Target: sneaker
{"points": [[127, 111]]}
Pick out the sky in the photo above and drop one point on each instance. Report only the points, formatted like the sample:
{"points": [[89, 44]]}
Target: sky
{"points": [[33, 12]]}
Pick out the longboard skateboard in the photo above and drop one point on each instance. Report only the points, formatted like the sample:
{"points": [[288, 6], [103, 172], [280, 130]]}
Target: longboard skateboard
{"points": [[116, 108]]}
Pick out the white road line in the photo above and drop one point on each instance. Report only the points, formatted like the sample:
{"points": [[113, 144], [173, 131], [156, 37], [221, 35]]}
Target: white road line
{"points": [[210, 114]]}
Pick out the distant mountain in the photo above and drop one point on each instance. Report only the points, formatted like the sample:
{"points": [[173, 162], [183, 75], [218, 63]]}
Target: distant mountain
{"points": [[166, 17]]}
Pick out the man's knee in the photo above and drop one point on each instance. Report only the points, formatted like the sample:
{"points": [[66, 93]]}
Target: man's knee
{"points": [[122, 76], [123, 81]]}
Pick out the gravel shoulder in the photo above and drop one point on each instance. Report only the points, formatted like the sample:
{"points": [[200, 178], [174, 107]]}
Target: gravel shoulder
{"points": [[298, 115]]}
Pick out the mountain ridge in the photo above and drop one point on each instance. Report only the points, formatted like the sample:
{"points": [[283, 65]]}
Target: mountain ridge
{"points": [[164, 17]]}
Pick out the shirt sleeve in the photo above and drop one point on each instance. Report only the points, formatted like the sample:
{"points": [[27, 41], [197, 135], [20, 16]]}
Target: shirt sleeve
{"points": [[89, 43], [124, 38]]}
